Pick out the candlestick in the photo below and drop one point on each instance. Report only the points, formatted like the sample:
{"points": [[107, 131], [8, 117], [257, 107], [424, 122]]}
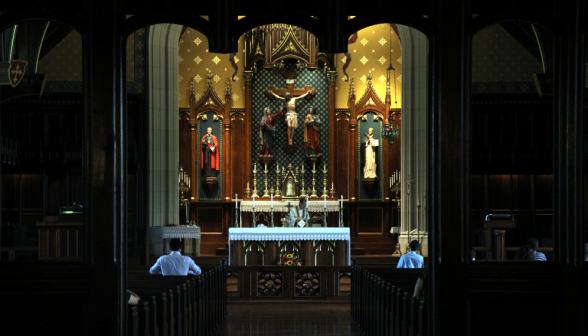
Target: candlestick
{"points": [[341, 201], [325, 197], [341, 224], [236, 204], [313, 182], [265, 192], [332, 185], [302, 190], [278, 193], [254, 200], [272, 201], [255, 179]]}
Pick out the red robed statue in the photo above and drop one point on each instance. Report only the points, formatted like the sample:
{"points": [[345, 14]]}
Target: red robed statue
{"points": [[209, 158], [312, 129]]}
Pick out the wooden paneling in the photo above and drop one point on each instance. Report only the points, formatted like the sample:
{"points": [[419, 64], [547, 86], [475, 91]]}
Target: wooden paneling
{"points": [[210, 219], [370, 220]]}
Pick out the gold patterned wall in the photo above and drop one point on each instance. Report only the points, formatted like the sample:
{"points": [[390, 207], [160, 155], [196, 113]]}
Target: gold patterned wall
{"points": [[370, 52], [64, 62], [195, 61], [498, 57]]}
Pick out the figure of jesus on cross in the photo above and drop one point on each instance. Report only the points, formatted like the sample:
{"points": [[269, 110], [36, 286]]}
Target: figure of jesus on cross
{"points": [[290, 95]]}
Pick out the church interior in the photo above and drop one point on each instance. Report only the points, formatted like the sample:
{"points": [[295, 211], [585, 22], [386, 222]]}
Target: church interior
{"points": [[327, 136]]}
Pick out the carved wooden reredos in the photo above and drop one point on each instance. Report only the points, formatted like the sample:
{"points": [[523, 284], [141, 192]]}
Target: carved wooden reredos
{"points": [[370, 102], [270, 45]]}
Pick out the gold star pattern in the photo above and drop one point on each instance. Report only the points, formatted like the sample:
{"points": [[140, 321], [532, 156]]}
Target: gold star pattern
{"points": [[382, 60], [399, 60], [198, 60], [236, 58], [180, 59], [382, 41], [363, 42], [399, 78], [344, 59], [216, 78], [382, 78], [363, 60], [236, 78], [216, 59], [197, 41], [197, 78], [235, 97], [363, 78]]}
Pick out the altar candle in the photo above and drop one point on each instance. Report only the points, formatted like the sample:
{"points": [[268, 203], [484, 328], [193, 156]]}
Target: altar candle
{"points": [[236, 204], [277, 166], [390, 181], [272, 199], [332, 185], [253, 200], [341, 201], [324, 166], [247, 185], [254, 166], [266, 166], [325, 195], [313, 168]]}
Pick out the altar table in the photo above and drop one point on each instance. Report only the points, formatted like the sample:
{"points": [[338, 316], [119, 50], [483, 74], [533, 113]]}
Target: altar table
{"points": [[291, 234], [159, 234], [314, 205]]}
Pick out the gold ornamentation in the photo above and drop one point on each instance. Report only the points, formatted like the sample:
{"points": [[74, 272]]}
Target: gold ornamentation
{"points": [[198, 60], [197, 41], [235, 97], [332, 75], [216, 60], [198, 78], [364, 41], [228, 87], [370, 102], [180, 59], [363, 78], [382, 60], [216, 78], [382, 78], [382, 41], [248, 75], [363, 60], [291, 48]]}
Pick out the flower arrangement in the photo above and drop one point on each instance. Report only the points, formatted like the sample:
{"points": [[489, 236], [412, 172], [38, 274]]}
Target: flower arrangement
{"points": [[289, 260]]}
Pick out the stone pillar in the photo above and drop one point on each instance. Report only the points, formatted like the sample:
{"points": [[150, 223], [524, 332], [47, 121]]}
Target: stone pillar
{"points": [[413, 161], [163, 126]]}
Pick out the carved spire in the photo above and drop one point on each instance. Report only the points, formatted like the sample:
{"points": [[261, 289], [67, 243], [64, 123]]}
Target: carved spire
{"points": [[352, 89], [209, 75], [192, 87], [228, 87], [369, 79]]}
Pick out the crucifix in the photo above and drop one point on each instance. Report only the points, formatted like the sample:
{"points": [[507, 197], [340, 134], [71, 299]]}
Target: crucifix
{"points": [[290, 95]]}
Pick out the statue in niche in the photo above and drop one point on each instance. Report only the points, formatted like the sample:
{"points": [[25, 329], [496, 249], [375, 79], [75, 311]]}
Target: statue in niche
{"points": [[267, 130], [209, 158], [291, 116], [312, 129], [371, 146]]}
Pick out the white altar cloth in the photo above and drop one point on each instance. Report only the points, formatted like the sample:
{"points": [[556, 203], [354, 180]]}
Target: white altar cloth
{"points": [[291, 233], [314, 205]]}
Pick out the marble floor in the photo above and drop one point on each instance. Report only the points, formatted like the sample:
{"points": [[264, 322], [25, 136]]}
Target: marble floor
{"points": [[289, 319]]}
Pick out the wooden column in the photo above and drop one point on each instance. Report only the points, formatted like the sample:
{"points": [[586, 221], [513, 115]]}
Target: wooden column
{"points": [[227, 171], [352, 145], [193, 147], [386, 148], [105, 205], [332, 75], [247, 174]]}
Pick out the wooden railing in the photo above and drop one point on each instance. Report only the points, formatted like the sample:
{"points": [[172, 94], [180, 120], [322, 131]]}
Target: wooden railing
{"points": [[178, 305], [382, 302]]}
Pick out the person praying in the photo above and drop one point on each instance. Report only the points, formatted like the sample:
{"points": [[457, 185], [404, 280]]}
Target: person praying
{"points": [[175, 263], [412, 259]]}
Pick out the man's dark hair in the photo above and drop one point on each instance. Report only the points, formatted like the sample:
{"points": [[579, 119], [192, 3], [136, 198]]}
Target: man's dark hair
{"points": [[302, 199], [525, 253], [414, 245], [533, 243], [175, 244]]}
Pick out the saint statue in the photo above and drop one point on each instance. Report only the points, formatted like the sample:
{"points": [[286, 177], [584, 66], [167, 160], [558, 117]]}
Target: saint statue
{"points": [[312, 129], [267, 131], [371, 146], [209, 158], [291, 116]]}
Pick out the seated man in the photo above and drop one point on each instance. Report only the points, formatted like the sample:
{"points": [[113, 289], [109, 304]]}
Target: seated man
{"points": [[525, 253], [534, 244], [175, 263], [411, 259]]}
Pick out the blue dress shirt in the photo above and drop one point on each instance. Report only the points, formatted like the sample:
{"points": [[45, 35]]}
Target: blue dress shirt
{"points": [[411, 260], [175, 264], [539, 256]]}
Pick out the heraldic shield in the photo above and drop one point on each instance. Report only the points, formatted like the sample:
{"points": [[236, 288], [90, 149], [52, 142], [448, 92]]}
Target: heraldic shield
{"points": [[16, 71]]}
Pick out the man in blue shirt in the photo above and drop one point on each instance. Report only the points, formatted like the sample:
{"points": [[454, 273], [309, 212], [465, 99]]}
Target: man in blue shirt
{"points": [[175, 263], [411, 259], [534, 244]]}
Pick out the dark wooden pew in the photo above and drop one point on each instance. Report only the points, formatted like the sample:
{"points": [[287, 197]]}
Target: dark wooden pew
{"points": [[382, 301], [177, 305]]}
